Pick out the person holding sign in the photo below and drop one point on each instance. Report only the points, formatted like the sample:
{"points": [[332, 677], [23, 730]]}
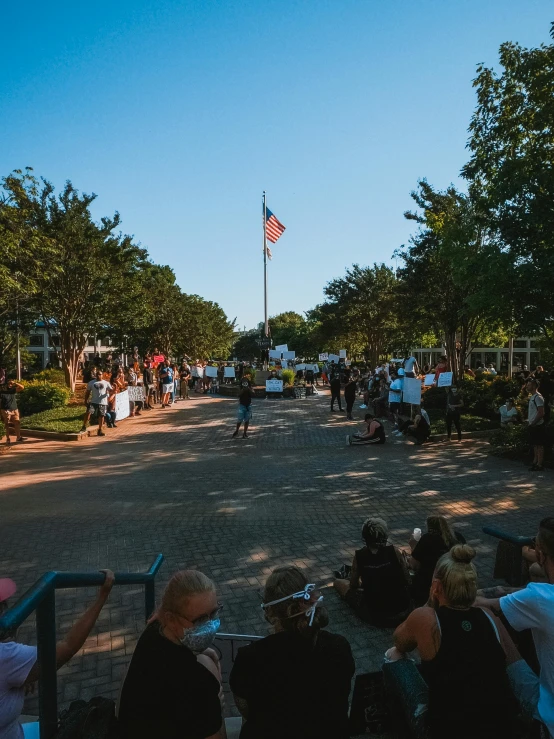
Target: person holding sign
{"points": [[245, 408], [454, 404]]}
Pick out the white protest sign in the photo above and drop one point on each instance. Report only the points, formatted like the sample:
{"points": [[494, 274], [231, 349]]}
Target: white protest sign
{"points": [[274, 354], [122, 409], [289, 355], [274, 386], [347, 362], [300, 366], [228, 372], [282, 348], [324, 357], [316, 367], [429, 380], [200, 371], [412, 391], [211, 371], [136, 392], [334, 357], [445, 379], [342, 354]]}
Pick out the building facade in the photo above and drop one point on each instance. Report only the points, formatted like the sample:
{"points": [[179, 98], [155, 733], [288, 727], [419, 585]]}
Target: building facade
{"points": [[44, 353], [525, 353]]}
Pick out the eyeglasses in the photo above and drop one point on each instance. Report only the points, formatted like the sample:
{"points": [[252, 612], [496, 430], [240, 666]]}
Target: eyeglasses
{"points": [[204, 618]]}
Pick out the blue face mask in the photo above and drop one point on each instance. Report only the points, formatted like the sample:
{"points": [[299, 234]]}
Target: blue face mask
{"points": [[199, 638]]}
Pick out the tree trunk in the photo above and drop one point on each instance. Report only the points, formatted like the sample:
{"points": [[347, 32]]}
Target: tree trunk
{"points": [[71, 348]]}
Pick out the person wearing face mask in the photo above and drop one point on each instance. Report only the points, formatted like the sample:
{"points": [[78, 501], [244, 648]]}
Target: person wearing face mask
{"points": [[173, 684], [464, 652], [245, 408], [454, 405], [295, 683]]}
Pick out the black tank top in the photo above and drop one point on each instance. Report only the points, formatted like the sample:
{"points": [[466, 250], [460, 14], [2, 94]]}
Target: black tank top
{"points": [[469, 692], [383, 580], [379, 432]]}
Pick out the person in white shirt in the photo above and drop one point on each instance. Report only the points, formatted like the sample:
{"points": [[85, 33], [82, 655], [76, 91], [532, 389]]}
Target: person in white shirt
{"points": [[411, 367], [509, 414], [492, 369], [97, 391], [19, 666], [533, 608], [537, 428], [395, 395]]}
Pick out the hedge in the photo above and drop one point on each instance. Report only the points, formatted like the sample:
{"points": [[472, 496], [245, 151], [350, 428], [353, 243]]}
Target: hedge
{"points": [[41, 396], [482, 397]]}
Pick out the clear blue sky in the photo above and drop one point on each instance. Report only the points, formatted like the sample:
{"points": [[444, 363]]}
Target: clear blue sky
{"points": [[178, 114]]}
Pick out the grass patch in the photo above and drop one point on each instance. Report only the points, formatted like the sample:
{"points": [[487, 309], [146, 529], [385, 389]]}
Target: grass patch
{"points": [[468, 422], [68, 419]]}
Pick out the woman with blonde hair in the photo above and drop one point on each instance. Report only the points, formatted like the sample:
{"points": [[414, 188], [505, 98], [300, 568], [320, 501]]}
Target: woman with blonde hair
{"points": [[426, 551], [295, 683], [463, 660], [173, 684]]}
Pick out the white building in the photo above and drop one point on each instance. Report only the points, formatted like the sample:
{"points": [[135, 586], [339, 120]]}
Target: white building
{"points": [[525, 353], [39, 345]]}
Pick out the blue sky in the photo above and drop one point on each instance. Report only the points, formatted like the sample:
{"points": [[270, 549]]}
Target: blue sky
{"points": [[178, 114]]}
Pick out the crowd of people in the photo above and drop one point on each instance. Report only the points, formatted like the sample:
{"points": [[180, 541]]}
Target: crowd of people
{"points": [[296, 681]]}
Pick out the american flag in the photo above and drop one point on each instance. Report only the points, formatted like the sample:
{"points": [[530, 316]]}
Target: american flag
{"points": [[274, 228]]}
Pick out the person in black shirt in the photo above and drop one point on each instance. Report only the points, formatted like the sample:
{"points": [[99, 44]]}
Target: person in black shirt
{"points": [[173, 683], [245, 408], [295, 683], [184, 376], [9, 412], [384, 597], [350, 395], [335, 391], [454, 405]]}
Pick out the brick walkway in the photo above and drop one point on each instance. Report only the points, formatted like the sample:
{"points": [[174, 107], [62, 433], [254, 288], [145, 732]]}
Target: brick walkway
{"points": [[175, 482]]}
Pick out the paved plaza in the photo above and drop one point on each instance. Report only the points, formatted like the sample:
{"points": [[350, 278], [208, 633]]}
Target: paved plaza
{"points": [[174, 481]]}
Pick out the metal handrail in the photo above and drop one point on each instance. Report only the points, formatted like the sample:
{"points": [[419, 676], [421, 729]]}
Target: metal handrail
{"points": [[42, 598], [511, 538]]}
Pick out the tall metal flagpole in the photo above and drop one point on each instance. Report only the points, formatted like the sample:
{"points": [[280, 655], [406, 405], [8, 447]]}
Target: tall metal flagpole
{"points": [[266, 327]]}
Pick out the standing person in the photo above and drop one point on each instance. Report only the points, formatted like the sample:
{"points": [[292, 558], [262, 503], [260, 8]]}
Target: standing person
{"points": [[545, 388], [97, 391], [184, 375], [442, 366], [350, 395], [166, 378], [245, 408], [411, 367], [454, 405], [294, 683], [335, 391], [148, 380], [9, 412], [537, 428], [395, 397]]}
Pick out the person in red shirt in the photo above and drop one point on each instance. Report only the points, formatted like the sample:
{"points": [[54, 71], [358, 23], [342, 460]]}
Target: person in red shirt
{"points": [[442, 366]]}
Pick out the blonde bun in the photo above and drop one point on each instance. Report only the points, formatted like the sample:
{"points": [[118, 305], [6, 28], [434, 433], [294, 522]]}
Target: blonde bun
{"points": [[462, 553]]}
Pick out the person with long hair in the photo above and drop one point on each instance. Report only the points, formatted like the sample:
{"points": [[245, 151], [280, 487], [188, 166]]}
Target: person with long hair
{"points": [[380, 569], [464, 652], [438, 539], [173, 684], [294, 683]]}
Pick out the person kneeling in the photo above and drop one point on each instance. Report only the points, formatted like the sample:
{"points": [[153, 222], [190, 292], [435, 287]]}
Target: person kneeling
{"points": [[375, 433], [419, 429]]}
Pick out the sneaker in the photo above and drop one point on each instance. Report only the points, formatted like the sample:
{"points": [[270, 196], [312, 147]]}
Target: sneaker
{"points": [[349, 417], [20, 440], [341, 410], [83, 429], [363, 406], [100, 433], [245, 436], [235, 434]]}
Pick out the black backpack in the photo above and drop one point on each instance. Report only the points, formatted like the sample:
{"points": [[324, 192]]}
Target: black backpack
{"points": [[93, 720]]}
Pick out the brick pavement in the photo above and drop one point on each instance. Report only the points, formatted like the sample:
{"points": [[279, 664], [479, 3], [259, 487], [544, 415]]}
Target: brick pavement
{"points": [[175, 481]]}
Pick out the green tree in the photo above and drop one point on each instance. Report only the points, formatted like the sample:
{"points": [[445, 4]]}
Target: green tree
{"points": [[511, 180]]}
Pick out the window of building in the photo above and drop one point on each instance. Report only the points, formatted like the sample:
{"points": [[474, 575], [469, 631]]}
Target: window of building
{"points": [[491, 358], [475, 359], [55, 340], [36, 340], [520, 343], [53, 359], [534, 360]]}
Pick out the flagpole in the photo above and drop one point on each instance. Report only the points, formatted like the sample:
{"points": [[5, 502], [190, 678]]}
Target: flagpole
{"points": [[266, 328]]}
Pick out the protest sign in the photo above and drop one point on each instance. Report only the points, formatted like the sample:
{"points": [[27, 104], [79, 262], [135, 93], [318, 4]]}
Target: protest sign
{"points": [[199, 372], [211, 371], [136, 393], [347, 362], [122, 409], [300, 366], [289, 355], [342, 354], [282, 348], [334, 357], [228, 372], [412, 390], [158, 358], [445, 379], [274, 354], [274, 386], [429, 380], [324, 357]]}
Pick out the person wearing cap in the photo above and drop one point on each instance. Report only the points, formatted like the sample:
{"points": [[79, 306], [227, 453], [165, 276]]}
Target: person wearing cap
{"points": [[19, 667], [294, 683]]}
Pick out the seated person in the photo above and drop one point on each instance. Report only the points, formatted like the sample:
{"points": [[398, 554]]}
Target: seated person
{"points": [[385, 597], [419, 428], [295, 683], [438, 540], [374, 434], [464, 651], [173, 683], [509, 414], [19, 666]]}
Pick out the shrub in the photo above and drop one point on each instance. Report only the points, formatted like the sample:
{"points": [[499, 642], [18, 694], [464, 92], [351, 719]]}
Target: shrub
{"points": [[482, 396], [54, 376], [41, 396], [513, 442], [250, 374], [288, 376]]}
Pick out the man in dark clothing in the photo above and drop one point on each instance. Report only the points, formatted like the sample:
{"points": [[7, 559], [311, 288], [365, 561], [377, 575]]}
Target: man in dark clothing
{"points": [[335, 391], [350, 396], [245, 408]]}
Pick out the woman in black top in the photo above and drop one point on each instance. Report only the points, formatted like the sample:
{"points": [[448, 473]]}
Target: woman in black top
{"points": [[426, 552], [350, 396], [295, 683], [384, 598], [173, 683], [463, 660]]}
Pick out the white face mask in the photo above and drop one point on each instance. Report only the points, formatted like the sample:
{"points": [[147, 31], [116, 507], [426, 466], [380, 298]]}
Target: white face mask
{"points": [[306, 594]]}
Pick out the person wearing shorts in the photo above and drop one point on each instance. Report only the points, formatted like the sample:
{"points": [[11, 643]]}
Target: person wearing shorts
{"points": [[375, 433], [9, 412], [97, 391], [166, 377], [537, 426], [245, 409]]}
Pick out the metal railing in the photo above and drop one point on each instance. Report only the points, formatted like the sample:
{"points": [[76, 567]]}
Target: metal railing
{"points": [[42, 599], [520, 541]]}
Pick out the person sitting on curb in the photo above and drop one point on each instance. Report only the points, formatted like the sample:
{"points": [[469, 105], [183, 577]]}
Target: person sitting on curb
{"points": [[9, 412], [419, 428], [19, 665], [375, 433], [380, 569]]}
